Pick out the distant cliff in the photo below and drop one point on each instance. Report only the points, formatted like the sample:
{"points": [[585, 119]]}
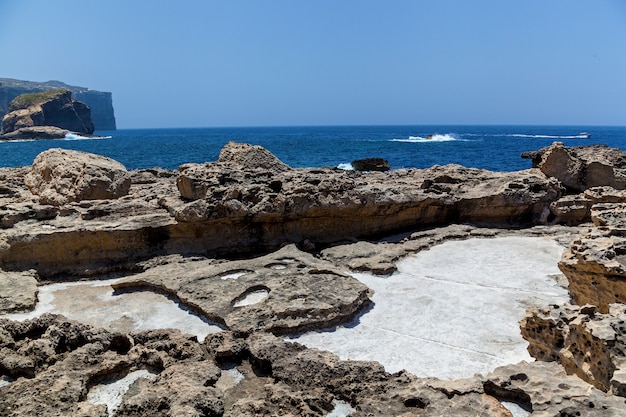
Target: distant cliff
{"points": [[100, 103]]}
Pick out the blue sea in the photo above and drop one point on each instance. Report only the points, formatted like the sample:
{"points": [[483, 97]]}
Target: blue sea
{"points": [[495, 148]]}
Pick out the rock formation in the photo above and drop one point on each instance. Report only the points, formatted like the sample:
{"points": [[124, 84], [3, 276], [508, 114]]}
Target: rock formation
{"points": [[585, 342], [99, 102], [61, 176], [263, 249], [371, 164], [581, 167], [50, 108], [221, 208]]}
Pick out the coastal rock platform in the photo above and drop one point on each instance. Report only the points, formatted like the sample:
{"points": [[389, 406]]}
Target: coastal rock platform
{"points": [[264, 250]]}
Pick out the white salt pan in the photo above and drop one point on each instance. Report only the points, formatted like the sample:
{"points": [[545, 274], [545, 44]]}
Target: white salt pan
{"points": [[452, 311], [93, 302]]}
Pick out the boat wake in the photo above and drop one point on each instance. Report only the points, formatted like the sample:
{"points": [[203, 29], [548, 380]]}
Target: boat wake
{"points": [[582, 135], [448, 137]]}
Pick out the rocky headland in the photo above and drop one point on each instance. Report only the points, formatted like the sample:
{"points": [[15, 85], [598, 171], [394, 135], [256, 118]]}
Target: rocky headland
{"points": [[46, 115], [100, 102], [264, 250]]}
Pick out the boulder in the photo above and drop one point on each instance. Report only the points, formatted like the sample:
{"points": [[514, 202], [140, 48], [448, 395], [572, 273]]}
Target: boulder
{"points": [[579, 168], [371, 164], [60, 176], [48, 108], [250, 157]]}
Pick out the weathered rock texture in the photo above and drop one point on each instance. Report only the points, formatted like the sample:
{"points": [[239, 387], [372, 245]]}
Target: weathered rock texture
{"points": [[301, 291], [582, 167], [60, 176], [100, 103], [53, 364], [49, 108], [249, 202], [18, 291], [585, 342], [242, 205]]}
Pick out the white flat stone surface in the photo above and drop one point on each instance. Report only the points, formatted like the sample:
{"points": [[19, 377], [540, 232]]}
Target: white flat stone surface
{"points": [[93, 302], [454, 310]]}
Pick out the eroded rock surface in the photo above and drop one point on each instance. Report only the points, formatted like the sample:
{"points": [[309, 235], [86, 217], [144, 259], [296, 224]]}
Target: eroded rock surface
{"points": [[173, 230], [585, 342], [242, 205], [60, 176], [48, 108], [284, 292], [18, 291], [582, 167], [55, 364]]}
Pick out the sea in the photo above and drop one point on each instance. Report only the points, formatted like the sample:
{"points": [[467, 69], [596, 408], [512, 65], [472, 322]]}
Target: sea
{"points": [[496, 148]]}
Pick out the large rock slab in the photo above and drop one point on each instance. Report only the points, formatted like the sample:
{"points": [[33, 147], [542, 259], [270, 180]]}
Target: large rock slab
{"points": [[18, 291], [284, 292], [60, 176], [545, 390]]}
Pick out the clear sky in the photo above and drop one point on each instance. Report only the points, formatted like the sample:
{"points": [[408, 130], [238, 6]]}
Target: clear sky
{"points": [[203, 63]]}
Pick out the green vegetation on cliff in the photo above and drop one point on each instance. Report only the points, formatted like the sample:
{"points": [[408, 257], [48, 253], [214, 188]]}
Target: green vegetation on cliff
{"points": [[30, 99]]}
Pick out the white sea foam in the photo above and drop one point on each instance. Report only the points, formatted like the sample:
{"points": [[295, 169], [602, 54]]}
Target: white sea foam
{"points": [[75, 136], [346, 166], [448, 137]]}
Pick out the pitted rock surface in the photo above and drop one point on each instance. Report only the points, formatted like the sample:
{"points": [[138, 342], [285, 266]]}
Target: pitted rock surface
{"points": [[595, 267], [284, 292], [587, 343]]}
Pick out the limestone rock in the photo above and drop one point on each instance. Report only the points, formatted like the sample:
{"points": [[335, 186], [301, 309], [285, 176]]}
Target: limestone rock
{"points": [[595, 267], [580, 168], [36, 132], [61, 176], [49, 108], [585, 342], [284, 292], [250, 157], [544, 389], [18, 291], [227, 208]]}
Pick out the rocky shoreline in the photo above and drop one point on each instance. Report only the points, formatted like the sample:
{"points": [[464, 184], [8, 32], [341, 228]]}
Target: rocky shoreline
{"points": [[296, 236]]}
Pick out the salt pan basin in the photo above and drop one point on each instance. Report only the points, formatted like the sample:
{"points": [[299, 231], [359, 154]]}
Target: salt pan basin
{"points": [[94, 302], [454, 310]]}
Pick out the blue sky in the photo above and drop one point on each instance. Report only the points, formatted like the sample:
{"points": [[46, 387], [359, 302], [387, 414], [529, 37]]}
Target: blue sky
{"points": [[340, 62]]}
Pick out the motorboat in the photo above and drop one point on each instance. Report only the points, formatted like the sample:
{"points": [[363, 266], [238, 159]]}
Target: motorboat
{"points": [[584, 135]]}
